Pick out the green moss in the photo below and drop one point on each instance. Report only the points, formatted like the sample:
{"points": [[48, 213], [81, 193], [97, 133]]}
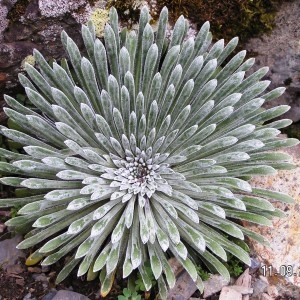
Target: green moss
{"points": [[18, 10], [128, 10], [229, 18]]}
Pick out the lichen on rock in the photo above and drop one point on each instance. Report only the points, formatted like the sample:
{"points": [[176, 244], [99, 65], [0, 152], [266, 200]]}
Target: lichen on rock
{"points": [[99, 17], [57, 8]]}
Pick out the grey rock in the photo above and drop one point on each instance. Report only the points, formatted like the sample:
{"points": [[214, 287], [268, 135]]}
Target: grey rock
{"points": [[281, 52], [184, 288], [9, 254], [213, 285], [255, 265], [39, 277], [68, 295], [259, 286], [50, 295], [29, 297]]}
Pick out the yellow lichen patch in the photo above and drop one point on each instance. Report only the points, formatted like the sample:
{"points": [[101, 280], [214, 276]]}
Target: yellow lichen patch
{"points": [[28, 59], [99, 17]]}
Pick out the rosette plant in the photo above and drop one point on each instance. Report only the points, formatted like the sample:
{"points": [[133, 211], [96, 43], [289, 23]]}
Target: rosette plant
{"points": [[140, 150]]}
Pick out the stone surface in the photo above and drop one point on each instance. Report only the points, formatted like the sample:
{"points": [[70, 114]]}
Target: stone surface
{"points": [[259, 286], [228, 293], [8, 252], [37, 24], [265, 296], [213, 285], [272, 291], [284, 235], [68, 295], [281, 52], [183, 289], [50, 295]]}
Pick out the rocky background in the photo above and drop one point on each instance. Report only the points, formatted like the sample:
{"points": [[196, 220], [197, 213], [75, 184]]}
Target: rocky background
{"points": [[29, 24]]}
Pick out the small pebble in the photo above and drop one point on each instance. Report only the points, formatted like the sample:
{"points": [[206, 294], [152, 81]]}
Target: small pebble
{"points": [[34, 270], [45, 269], [259, 286], [39, 277], [255, 265], [28, 297], [50, 295]]}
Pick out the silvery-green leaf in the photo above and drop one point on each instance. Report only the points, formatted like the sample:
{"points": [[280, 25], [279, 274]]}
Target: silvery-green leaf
{"points": [[45, 233], [136, 253], [169, 61], [168, 207], [149, 67], [181, 250], [55, 243], [40, 152], [47, 220], [185, 199], [178, 32], [191, 234], [167, 224], [38, 79], [257, 202], [101, 225], [102, 193], [24, 139], [77, 162], [229, 85], [279, 143], [127, 267], [235, 183], [84, 247], [215, 264], [80, 224], [274, 94], [190, 213], [272, 195], [231, 66], [161, 31], [57, 195], [129, 212], [113, 257], [118, 231], [156, 265], [204, 76], [145, 277], [111, 48], [70, 133], [215, 50], [67, 269], [72, 175], [107, 283], [101, 259], [215, 209], [37, 183], [162, 287], [170, 277], [12, 181], [32, 166], [78, 203], [248, 216], [88, 114]]}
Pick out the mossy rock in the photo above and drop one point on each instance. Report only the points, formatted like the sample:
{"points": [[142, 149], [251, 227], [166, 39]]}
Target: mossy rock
{"points": [[229, 18]]}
